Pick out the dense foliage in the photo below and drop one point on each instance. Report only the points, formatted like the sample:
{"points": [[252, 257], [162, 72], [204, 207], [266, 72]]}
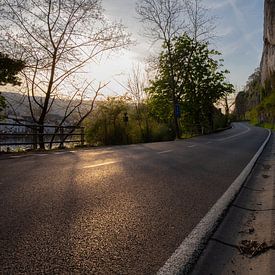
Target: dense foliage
{"points": [[117, 120], [197, 83], [9, 68], [189, 76], [257, 102]]}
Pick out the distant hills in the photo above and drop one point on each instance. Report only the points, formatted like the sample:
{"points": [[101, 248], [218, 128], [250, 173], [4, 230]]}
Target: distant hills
{"points": [[18, 106]]}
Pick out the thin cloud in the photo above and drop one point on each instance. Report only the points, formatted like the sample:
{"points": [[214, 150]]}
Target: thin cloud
{"points": [[237, 45], [216, 5], [241, 23]]}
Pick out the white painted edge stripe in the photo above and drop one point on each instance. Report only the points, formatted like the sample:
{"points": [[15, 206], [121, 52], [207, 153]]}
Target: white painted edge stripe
{"points": [[237, 135], [190, 249]]}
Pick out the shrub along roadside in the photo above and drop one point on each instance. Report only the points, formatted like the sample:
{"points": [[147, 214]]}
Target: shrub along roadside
{"points": [[117, 121]]}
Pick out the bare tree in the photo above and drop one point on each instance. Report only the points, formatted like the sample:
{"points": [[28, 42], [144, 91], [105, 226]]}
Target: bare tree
{"points": [[164, 20], [227, 102], [57, 39], [136, 85], [201, 26]]}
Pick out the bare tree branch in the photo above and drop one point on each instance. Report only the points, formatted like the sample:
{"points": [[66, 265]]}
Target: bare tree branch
{"points": [[57, 40]]}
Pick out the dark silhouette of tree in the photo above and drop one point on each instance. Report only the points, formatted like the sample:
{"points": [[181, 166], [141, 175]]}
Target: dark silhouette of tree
{"points": [[9, 68], [240, 105], [2, 103]]}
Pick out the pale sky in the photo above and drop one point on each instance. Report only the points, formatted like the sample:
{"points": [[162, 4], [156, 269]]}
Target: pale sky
{"points": [[239, 30]]}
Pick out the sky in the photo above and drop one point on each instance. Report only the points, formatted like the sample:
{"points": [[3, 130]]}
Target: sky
{"points": [[239, 31]]}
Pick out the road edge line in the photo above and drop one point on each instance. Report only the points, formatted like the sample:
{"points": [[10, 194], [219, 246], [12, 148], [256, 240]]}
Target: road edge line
{"points": [[186, 255]]}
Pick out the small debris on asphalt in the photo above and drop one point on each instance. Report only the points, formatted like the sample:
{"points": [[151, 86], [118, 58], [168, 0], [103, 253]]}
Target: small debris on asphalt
{"points": [[249, 231], [252, 248], [265, 176], [266, 166]]}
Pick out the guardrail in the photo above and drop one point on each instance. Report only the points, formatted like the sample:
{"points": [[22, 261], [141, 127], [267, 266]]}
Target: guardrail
{"points": [[28, 135]]}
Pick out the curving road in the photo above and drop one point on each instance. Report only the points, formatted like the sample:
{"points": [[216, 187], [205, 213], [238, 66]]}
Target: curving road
{"points": [[116, 210]]}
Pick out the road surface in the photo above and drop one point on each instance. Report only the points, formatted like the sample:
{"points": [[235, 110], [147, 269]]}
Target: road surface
{"points": [[114, 210]]}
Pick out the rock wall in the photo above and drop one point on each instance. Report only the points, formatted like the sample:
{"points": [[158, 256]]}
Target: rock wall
{"points": [[268, 58]]}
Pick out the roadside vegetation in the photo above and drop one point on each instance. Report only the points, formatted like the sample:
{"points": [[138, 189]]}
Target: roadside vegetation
{"points": [[257, 102], [9, 69], [177, 97]]}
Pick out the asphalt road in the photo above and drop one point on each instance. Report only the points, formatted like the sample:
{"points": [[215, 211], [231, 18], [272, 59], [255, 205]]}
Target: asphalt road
{"points": [[115, 210]]}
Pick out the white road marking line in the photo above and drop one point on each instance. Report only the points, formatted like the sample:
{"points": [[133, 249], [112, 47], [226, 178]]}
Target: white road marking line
{"points": [[40, 155], [16, 156], [59, 153], [209, 142], [183, 257], [191, 146], [100, 164], [240, 134], [164, 152]]}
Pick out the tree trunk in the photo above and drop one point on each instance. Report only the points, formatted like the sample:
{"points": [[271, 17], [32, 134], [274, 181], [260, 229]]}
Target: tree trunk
{"points": [[173, 91]]}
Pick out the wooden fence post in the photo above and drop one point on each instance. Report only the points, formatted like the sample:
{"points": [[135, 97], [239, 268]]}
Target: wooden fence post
{"points": [[34, 137], [82, 136], [61, 137]]}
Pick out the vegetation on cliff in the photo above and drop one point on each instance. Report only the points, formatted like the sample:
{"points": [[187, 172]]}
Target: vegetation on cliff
{"points": [[257, 101]]}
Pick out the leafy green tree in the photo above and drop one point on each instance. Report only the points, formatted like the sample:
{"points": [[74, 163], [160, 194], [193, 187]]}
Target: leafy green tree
{"points": [[163, 21], [199, 82], [107, 125], [9, 68]]}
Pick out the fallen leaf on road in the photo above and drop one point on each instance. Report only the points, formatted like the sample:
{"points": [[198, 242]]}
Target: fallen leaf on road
{"points": [[266, 166]]}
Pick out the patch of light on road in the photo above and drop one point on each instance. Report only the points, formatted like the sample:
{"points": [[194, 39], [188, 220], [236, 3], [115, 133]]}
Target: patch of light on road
{"points": [[165, 152], [99, 164]]}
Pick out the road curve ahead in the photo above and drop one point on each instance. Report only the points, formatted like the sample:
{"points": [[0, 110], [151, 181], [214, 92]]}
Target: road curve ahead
{"points": [[116, 210]]}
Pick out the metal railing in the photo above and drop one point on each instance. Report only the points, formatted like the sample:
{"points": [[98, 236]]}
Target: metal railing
{"points": [[29, 135]]}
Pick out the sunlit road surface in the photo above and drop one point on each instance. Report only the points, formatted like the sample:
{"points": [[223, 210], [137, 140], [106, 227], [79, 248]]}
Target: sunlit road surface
{"points": [[115, 210]]}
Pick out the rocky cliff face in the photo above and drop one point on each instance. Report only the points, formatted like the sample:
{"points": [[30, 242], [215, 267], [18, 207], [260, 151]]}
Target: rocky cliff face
{"points": [[268, 58]]}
